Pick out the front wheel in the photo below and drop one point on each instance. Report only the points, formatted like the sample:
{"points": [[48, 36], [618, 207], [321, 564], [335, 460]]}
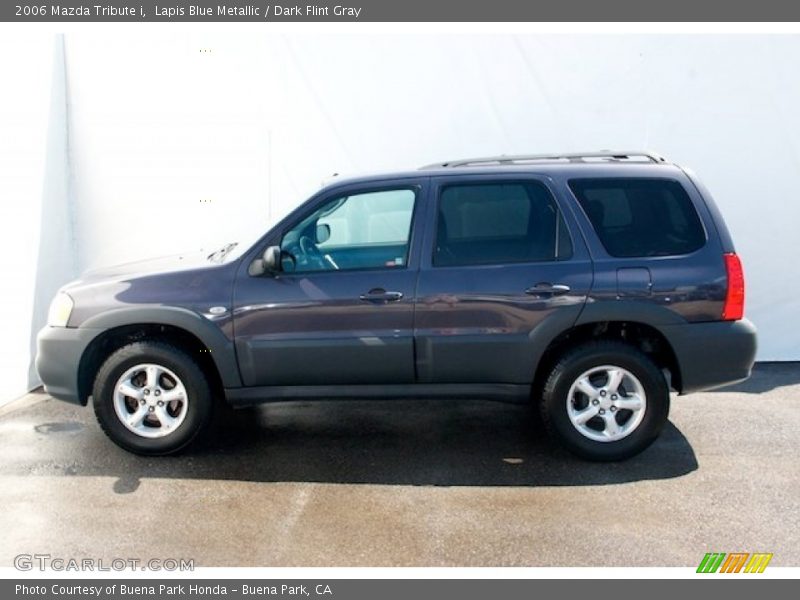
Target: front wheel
{"points": [[605, 401], [152, 398]]}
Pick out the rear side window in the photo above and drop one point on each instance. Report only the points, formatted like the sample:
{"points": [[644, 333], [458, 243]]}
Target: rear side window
{"points": [[641, 217], [499, 223]]}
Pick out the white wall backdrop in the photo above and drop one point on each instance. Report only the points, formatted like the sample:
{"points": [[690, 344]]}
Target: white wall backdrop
{"points": [[37, 251], [177, 141]]}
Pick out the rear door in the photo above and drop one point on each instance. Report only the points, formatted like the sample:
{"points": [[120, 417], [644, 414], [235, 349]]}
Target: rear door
{"points": [[500, 261]]}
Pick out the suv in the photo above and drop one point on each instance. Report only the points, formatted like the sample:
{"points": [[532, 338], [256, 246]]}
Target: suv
{"points": [[586, 284]]}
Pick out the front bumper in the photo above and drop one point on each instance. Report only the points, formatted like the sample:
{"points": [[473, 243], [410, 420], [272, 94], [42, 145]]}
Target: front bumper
{"points": [[712, 355], [58, 357]]}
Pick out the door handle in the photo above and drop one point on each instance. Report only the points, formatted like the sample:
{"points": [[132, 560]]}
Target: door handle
{"points": [[544, 288], [381, 296]]}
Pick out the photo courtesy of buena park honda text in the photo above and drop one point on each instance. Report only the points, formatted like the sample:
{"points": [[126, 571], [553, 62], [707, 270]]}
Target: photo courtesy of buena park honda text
{"points": [[375, 299]]}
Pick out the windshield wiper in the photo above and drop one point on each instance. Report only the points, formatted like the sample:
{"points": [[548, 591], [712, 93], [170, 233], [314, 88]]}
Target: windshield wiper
{"points": [[220, 254]]}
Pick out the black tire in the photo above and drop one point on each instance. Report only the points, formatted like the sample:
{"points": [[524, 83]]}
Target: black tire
{"points": [[584, 358], [198, 407]]}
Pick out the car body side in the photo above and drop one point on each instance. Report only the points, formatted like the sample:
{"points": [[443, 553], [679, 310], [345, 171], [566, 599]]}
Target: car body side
{"points": [[459, 332]]}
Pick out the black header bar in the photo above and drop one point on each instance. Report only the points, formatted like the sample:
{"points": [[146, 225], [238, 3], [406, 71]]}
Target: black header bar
{"points": [[65, 11]]}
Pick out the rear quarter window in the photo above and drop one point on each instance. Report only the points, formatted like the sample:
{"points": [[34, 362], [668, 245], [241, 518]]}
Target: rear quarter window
{"points": [[641, 217]]}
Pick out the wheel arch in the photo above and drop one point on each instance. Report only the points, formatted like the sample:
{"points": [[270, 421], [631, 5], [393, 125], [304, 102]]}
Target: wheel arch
{"points": [[204, 341], [632, 323]]}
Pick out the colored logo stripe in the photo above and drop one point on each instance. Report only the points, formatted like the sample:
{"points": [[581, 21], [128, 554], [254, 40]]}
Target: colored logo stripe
{"points": [[711, 562], [734, 563], [758, 562]]}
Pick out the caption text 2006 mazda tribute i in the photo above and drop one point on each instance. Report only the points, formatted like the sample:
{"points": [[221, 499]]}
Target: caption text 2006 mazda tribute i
{"points": [[586, 284]]}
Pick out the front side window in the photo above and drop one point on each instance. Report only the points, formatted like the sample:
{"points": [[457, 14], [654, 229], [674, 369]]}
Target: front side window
{"points": [[362, 231], [499, 223], [638, 217]]}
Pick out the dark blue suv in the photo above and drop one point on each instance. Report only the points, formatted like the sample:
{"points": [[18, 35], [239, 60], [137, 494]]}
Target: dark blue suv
{"points": [[588, 285]]}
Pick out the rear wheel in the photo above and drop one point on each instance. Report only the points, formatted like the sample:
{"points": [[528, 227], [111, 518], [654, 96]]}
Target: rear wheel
{"points": [[605, 401], [152, 398]]}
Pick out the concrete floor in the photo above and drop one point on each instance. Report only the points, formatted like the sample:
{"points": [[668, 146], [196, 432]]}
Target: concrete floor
{"points": [[410, 483]]}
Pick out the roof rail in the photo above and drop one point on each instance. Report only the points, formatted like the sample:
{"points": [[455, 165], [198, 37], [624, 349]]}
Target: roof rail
{"points": [[586, 157]]}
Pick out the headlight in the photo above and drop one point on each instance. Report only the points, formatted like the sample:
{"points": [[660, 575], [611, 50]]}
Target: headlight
{"points": [[60, 310]]}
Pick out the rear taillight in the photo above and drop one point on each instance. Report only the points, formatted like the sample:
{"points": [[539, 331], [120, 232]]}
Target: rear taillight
{"points": [[734, 298]]}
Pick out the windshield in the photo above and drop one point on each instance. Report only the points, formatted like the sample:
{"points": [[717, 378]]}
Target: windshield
{"points": [[245, 238]]}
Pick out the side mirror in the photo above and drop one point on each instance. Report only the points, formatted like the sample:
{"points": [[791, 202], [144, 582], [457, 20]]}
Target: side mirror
{"points": [[272, 258], [323, 233], [270, 262]]}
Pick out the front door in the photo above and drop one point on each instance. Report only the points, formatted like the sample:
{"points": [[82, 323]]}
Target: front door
{"points": [[341, 309]]}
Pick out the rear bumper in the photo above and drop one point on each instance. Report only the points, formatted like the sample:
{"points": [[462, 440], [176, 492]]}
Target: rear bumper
{"points": [[712, 355], [58, 357]]}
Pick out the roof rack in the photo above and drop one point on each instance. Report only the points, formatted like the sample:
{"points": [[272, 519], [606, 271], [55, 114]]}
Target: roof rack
{"points": [[579, 157]]}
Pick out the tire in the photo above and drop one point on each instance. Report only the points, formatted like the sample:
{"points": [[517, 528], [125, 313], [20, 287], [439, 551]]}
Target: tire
{"points": [[608, 380], [159, 391]]}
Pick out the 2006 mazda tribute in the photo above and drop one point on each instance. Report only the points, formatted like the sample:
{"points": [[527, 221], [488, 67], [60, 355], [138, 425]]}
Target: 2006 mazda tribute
{"points": [[586, 284]]}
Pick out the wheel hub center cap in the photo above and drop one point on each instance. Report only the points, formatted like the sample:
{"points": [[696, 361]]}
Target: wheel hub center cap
{"points": [[600, 420], [158, 411]]}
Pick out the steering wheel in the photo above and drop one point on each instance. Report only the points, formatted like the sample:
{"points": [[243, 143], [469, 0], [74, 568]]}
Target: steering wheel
{"points": [[311, 253]]}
